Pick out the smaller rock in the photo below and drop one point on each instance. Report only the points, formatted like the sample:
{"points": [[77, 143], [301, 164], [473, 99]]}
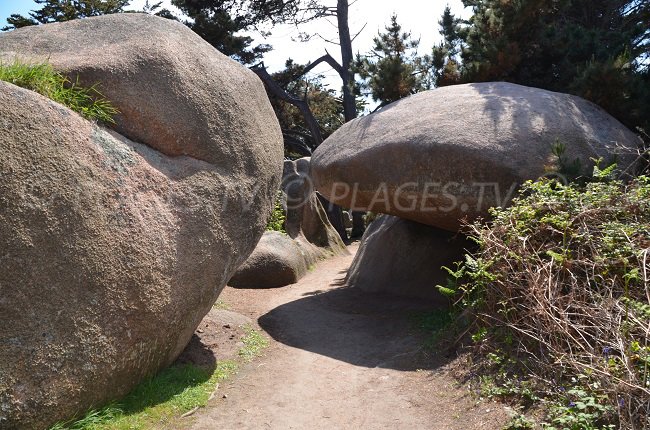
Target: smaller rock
{"points": [[282, 259], [307, 220], [405, 258], [277, 261]]}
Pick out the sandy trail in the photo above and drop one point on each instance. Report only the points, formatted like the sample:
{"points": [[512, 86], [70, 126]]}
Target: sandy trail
{"points": [[339, 359]]}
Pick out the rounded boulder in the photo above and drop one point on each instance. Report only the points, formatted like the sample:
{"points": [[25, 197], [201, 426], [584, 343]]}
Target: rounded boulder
{"points": [[113, 249], [449, 154]]}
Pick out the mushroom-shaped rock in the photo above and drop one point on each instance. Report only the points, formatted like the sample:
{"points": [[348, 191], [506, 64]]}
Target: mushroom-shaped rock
{"points": [[452, 153]]}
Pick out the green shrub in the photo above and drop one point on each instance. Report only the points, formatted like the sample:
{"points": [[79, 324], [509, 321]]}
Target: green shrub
{"points": [[560, 285], [43, 79], [278, 217]]}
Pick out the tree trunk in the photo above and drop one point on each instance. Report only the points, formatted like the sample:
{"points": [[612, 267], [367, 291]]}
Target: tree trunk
{"points": [[349, 101]]}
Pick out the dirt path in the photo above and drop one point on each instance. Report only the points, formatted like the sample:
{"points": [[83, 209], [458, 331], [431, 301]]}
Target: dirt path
{"points": [[339, 359]]}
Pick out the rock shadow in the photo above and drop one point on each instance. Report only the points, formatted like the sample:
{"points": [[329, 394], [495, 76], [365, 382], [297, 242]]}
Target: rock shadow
{"points": [[193, 367], [199, 354], [346, 324]]}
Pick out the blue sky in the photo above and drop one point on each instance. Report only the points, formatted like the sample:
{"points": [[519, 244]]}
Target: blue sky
{"points": [[7, 7]]}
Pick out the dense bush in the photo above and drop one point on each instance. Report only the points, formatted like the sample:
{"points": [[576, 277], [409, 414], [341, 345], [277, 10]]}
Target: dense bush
{"points": [[278, 215], [560, 293], [43, 79]]}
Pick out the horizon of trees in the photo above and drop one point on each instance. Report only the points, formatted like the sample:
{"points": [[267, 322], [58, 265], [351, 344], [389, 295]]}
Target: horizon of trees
{"points": [[599, 50], [596, 49]]}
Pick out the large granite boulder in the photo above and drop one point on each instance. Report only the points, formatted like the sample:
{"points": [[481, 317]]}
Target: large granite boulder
{"points": [[112, 251], [281, 259], [405, 258], [174, 91], [442, 155]]}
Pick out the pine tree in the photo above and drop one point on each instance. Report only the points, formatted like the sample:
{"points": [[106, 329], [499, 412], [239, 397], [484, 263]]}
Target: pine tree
{"points": [[325, 106], [65, 10], [218, 24], [445, 65], [597, 49], [392, 70]]}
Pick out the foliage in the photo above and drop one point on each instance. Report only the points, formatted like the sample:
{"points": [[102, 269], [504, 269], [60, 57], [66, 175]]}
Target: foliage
{"points": [[392, 70], [560, 286], [519, 422], [323, 102], [445, 60], [256, 13], [436, 323], [580, 409], [158, 10], [43, 79], [253, 13], [65, 10], [220, 21], [218, 24], [278, 216], [597, 49]]}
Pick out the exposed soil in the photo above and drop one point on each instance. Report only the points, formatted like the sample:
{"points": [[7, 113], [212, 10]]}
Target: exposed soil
{"points": [[338, 359], [217, 338]]}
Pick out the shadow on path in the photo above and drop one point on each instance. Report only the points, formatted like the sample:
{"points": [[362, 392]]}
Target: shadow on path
{"points": [[346, 324]]}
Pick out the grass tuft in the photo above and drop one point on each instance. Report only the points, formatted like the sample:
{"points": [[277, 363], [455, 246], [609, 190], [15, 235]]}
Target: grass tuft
{"points": [[158, 400], [254, 343], [166, 396], [438, 324], [43, 79]]}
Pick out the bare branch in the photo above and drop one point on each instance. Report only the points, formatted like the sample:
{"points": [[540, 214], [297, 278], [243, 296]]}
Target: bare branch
{"points": [[333, 42], [327, 58], [301, 104], [334, 26], [362, 28]]}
